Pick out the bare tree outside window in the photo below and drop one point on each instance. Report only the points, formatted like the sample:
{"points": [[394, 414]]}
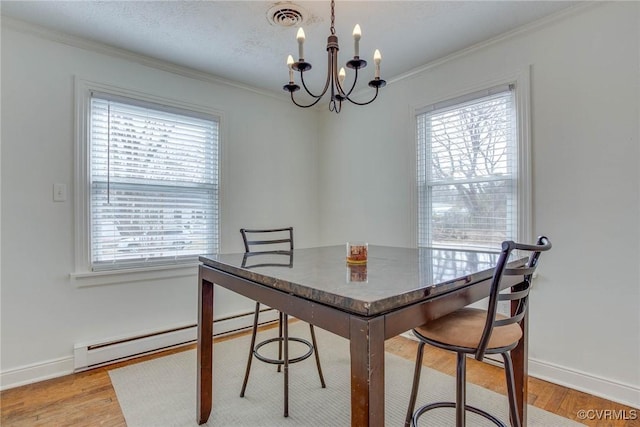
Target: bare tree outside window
{"points": [[466, 173]]}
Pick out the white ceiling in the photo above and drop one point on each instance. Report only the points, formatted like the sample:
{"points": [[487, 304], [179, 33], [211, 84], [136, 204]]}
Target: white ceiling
{"points": [[235, 40]]}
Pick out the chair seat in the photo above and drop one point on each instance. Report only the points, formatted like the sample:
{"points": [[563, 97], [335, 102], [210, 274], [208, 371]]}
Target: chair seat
{"points": [[463, 328]]}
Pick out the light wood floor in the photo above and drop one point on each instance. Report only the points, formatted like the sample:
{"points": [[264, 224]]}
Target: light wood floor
{"points": [[88, 399]]}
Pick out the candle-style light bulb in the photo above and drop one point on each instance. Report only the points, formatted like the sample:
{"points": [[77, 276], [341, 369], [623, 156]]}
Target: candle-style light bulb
{"points": [[300, 38], [290, 65], [356, 40], [341, 76], [376, 59]]}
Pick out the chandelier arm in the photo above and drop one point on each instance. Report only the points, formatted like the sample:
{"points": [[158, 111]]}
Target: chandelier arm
{"points": [[335, 106], [305, 106], [304, 85], [355, 81], [333, 70], [364, 103], [326, 84]]}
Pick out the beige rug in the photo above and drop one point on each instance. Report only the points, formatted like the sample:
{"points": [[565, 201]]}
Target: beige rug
{"points": [[162, 392]]}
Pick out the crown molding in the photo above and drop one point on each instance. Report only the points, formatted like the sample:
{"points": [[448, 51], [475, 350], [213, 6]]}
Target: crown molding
{"points": [[517, 32], [93, 46]]}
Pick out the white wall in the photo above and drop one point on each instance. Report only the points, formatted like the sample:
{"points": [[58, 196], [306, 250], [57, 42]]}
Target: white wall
{"points": [[266, 171], [585, 115]]}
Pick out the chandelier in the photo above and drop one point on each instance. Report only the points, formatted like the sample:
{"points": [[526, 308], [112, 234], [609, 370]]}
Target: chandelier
{"points": [[335, 80]]}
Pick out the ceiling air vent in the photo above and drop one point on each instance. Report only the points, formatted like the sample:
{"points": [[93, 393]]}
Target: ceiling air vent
{"points": [[286, 14]]}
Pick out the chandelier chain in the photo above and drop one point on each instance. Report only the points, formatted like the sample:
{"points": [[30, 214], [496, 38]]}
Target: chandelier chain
{"points": [[333, 17]]}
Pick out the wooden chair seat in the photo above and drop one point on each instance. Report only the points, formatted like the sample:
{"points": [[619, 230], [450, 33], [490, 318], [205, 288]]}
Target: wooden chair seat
{"points": [[463, 328]]}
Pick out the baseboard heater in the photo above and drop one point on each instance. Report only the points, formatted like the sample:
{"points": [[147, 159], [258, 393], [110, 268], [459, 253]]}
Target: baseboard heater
{"points": [[93, 355]]}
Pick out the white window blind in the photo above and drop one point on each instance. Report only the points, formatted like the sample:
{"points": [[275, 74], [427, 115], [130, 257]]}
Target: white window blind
{"points": [[466, 171], [154, 184]]}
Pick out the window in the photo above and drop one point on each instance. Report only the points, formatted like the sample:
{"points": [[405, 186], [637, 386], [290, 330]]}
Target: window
{"points": [[468, 171], [151, 195]]}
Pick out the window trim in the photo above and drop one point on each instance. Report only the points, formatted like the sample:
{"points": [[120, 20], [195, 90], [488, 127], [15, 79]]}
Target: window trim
{"points": [[521, 80], [83, 275]]}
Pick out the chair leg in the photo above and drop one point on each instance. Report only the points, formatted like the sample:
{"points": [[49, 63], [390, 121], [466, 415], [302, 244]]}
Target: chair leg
{"points": [[461, 389], [416, 383], [315, 350], [285, 344], [280, 320], [251, 347], [511, 390]]}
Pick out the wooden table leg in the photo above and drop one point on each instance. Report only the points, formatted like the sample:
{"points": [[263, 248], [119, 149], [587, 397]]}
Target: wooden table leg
{"points": [[367, 372], [520, 357], [205, 350]]}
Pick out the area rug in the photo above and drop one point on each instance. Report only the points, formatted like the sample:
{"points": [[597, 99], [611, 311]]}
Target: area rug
{"points": [[162, 392]]}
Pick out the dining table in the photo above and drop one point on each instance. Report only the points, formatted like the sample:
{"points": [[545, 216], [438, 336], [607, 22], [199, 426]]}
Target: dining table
{"points": [[397, 289]]}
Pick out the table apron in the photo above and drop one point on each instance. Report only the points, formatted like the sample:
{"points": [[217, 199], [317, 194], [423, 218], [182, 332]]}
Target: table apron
{"points": [[411, 316], [325, 317]]}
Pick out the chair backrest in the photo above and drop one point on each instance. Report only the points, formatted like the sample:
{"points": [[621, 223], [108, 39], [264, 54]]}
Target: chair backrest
{"points": [[519, 292], [271, 247], [273, 240], [267, 259]]}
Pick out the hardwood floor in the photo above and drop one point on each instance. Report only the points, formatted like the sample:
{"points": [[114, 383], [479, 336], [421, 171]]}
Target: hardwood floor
{"points": [[88, 399]]}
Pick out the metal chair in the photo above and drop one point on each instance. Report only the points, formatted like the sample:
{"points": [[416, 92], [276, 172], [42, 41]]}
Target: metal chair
{"points": [[480, 332], [282, 239]]}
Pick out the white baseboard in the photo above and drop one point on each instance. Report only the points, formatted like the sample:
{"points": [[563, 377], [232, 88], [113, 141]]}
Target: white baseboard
{"points": [[615, 391], [102, 352], [36, 372]]}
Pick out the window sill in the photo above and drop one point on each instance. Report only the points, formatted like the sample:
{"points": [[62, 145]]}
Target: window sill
{"points": [[99, 278]]}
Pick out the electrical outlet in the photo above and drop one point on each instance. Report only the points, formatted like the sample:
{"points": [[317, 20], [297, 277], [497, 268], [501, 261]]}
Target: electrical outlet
{"points": [[59, 192]]}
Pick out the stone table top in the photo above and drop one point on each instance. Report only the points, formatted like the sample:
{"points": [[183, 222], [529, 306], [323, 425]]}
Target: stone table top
{"points": [[392, 277]]}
